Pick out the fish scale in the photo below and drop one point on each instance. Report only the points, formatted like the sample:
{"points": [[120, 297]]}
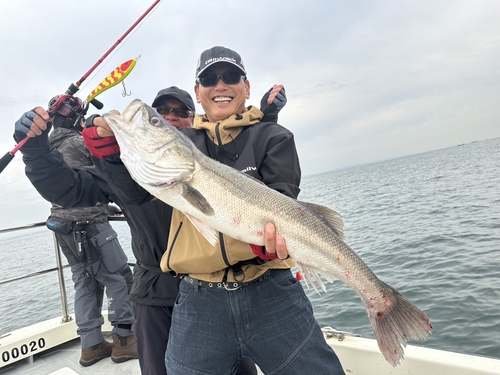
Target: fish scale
{"points": [[216, 197]]}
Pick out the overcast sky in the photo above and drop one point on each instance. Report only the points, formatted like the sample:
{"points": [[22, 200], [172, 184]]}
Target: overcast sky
{"points": [[365, 80]]}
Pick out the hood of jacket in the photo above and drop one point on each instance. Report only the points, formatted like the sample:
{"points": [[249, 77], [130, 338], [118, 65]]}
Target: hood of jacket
{"points": [[229, 128]]}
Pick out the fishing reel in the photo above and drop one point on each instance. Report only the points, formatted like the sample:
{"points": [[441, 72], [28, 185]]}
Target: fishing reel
{"points": [[65, 105], [68, 110]]}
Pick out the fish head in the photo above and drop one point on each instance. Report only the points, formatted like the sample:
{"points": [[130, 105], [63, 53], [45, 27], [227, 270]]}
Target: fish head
{"points": [[153, 151]]}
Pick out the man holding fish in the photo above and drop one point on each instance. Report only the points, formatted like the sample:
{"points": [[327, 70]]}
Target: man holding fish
{"points": [[231, 303], [177, 107]]}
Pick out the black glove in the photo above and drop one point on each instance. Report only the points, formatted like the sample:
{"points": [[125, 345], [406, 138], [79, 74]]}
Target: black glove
{"points": [[39, 144], [271, 110], [89, 121]]}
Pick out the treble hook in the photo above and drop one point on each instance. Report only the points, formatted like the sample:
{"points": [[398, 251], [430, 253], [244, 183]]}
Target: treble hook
{"points": [[124, 92]]}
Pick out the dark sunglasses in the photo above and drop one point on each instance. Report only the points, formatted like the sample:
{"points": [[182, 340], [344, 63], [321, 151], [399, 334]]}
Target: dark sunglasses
{"points": [[229, 77], [179, 112]]}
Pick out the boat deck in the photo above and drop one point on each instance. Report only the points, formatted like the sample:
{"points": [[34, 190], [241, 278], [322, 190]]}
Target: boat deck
{"points": [[63, 360]]}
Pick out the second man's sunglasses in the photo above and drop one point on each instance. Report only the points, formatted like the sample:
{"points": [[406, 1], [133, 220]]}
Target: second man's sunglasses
{"points": [[179, 112]]}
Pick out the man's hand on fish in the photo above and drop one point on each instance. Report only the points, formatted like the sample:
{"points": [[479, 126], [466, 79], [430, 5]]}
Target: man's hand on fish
{"points": [[275, 244], [102, 128], [99, 138], [33, 123]]}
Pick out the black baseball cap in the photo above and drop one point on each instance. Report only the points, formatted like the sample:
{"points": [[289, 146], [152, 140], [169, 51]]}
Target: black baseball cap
{"points": [[216, 55], [173, 92]]}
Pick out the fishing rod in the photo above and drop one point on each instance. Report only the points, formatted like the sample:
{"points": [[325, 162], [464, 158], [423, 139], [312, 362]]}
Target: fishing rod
{"points": [[76, 86], [68, 100]]}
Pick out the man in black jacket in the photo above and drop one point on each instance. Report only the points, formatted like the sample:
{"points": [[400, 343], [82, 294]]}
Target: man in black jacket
{"points": [[153, 291]]}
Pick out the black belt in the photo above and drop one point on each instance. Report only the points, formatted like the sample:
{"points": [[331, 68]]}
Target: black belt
{"points": [[232, 285]]}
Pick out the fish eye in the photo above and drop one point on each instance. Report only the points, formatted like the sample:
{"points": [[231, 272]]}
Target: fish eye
{"points": [[155, 121]]}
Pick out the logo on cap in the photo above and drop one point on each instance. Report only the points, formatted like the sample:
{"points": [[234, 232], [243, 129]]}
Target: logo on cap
{"points": [[221, 59]]}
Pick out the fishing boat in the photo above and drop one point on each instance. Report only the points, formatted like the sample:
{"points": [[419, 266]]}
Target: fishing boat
{"points": [[52, 347]]}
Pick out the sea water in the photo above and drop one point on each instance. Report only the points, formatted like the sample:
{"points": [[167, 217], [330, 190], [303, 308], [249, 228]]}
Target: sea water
{"points": [[427, 224]]}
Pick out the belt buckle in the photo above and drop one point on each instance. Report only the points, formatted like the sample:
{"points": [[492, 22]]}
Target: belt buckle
{"points": [[229, 288]]}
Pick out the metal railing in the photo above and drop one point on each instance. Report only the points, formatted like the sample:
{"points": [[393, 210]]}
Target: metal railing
{"points": [[58, 268]]}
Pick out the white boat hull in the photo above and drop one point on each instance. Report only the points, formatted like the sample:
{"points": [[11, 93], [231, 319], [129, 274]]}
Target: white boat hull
{"points": [[361, 356]]}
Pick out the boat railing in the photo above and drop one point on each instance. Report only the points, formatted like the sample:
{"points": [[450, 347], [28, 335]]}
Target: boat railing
{"points": [[58, 268]]}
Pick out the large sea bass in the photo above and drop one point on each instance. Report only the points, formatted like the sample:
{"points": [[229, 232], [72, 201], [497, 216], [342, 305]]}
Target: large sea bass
{"points": [[217, 197]]}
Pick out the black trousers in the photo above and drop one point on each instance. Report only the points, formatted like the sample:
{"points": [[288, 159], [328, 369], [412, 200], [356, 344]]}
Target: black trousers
{"points": [[151, 331]]}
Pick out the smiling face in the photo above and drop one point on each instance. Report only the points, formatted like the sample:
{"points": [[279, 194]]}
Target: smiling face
{"points": [[222, 100]]}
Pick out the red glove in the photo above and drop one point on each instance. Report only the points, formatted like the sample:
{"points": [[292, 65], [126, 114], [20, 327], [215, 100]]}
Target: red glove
{"points": [[261, 252], [100, 147]]}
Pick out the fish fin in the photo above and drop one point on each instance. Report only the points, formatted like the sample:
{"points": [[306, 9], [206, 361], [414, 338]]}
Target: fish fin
{"points": [[312, 275], [393, 327], [197, 200], [331, 216], [206, 231]]}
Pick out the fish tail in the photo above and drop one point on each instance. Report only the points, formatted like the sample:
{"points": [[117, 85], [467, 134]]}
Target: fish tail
{"points": [[394, 326]]}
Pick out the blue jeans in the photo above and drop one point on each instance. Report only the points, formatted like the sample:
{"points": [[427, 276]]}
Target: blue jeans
{"points": [[270, 321]]}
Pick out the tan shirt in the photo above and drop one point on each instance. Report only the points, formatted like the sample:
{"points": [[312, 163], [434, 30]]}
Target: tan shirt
{"points": [[188, 252]]}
